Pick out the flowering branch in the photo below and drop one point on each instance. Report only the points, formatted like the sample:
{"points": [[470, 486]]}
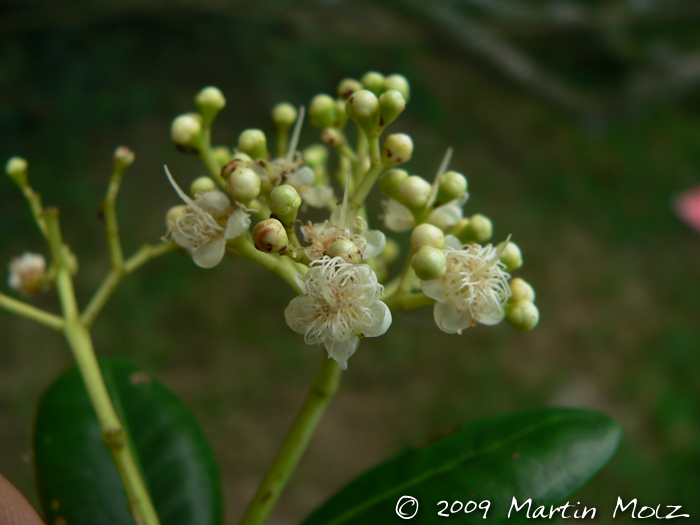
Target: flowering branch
{"points": [[31, 312]]}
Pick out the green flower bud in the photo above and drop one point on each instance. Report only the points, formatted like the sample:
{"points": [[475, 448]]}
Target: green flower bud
{"points": [[201, 185], [523, 315], [322, 111], [346, 249], [333, 137], [270, 236], [123, 158], [397, 149], [399, 83], [374, 82], [243, 157], [391, 105], [315, 155], [186, 129], [521, 291], [284, 203], [452, 185], [479, 229], [363, 108], [252, 142], [426, 235], [175, 213], [414, 192], [209, 102], [284, 115], [512, 257], [341, 116], [390, 180], [429, 263], [347, 87], [16, 168], [243, 184], [222, 154]]}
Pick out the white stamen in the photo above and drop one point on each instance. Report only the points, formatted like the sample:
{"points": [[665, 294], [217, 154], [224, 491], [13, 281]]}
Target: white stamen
{"points": [[441, 170], [295, 136]]}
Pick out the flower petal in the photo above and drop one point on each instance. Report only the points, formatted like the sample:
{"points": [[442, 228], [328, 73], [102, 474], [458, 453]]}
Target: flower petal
{"points": [[447, 215], [493, 315], [453, 242], [376, 242], [210, 254], [304, 176], [448, 319], [381, 320], [318, 196], [397, 217], [215, 203], [434, 289], [237, 224], [342, 350]]}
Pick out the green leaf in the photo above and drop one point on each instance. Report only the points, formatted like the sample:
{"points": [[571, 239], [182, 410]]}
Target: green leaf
{"points": [[544, 454], [77, 477]]}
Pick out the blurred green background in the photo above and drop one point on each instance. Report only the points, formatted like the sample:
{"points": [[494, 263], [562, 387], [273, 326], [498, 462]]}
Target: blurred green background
{"points": [[576, 124]]}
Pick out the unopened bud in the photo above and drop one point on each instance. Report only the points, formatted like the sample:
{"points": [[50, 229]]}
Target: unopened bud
{"points": [[16, 168], [426, 235], [284, 202], [284, 115], [347, 87], [270, 236], [341, 116], [397, 149], [390, 180], [322, 111], [453, 185], [374, 81], [521, 291], [174, 214], [123, 158], [315, 155], [253, 143], [28, 274], [202, 185], [414, 192], [523, 315], [346, 249], [363, 108], [429, 263], [186, 129], [399, 83], [222, 154], [333, 137], [391, 105], [512, 257], [243, 184], [243, 157], [209, 101], [479, 229]]}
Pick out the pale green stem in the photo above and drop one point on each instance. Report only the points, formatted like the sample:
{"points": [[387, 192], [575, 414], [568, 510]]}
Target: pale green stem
{"points": [[408, 301], [80, 342], [34, 200], [110, 214], [282, 141], [375, 169], [115, 276], [207, 156], [280, 265], [322, 390], [31, 312], [361, 149]]}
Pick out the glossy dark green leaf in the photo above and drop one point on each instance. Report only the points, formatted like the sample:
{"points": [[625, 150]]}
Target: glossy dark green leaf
{"points": [[77, 478], [544, 454]]}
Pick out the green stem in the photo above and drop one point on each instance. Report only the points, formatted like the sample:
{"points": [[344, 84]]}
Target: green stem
{"points": [[408, 301], [207, 156], [322, 390], [34, 200], [375, 169], [280, 265], [31, 312], [110, 214]]}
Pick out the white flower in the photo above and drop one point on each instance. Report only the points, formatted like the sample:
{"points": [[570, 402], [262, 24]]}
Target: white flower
{"points": [[27, 274], [473, 290], [205, 226], [339, 304]]}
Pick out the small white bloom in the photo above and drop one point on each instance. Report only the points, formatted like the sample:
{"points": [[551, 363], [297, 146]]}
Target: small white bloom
{"points": [[27, 274], [339, 304], [204, 227], [473, 290]]}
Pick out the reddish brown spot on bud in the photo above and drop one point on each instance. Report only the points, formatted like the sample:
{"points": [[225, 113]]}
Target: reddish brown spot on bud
{"points": [[389, 153], [381, 121]]}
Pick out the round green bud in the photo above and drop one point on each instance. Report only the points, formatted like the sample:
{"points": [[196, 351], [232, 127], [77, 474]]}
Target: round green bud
{"points": [[209, 102], [426, 235], [201, 185], [17, 168], [333, 137], [175, 213], [521, 291], [363, 108], [322, 111], [414, 192], [346, 249], [243, 184], [429, 263], [243, 157], [347, 87], [284, 115], [341, 116], [222, 154], [253, 143], [397, 149], [452, 185], [123, 158], [186, 129], [479, 228], [374, 82], [270, 236], [391, 105], [512, 257], [399, 83], [284, 203], [315, 155], [523, 315], [390, 180]]}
